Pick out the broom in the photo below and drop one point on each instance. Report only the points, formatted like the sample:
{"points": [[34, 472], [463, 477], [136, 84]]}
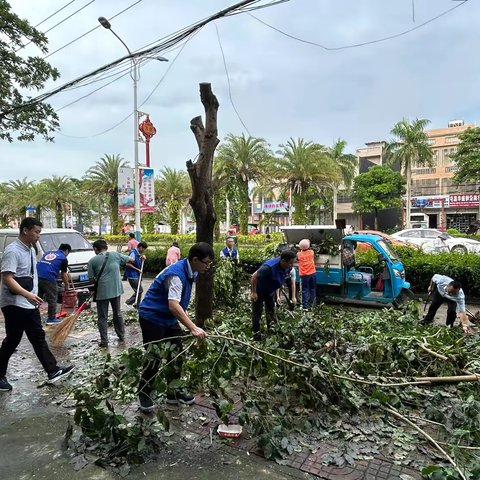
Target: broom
{"points": [[63, 329]]}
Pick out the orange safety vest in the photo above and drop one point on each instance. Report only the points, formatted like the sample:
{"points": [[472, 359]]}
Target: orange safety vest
{"points": [[306, 262]]}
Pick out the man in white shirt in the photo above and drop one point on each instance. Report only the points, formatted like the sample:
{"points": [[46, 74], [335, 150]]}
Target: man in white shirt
{"points": [[445, 289], [440, 244]]}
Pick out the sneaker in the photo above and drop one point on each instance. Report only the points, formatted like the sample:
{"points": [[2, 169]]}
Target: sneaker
{"points": [[103, 344], [60, 373], [180, 397], [146, 404], [128, 306], [4, 385], [54, 321]]}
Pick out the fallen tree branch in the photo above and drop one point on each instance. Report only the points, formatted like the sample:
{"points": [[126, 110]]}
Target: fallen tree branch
{"points": [[435, 354], [426, 435], [456, 379]]}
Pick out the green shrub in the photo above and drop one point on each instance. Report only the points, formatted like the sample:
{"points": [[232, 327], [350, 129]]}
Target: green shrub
{"points": [[453, 231]]}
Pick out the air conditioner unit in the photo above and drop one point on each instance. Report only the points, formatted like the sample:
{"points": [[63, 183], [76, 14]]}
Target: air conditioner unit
{"points": [[456, 123]]}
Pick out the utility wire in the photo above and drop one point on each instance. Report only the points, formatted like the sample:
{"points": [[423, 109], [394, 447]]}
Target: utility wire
{"points": [[228, 80], [53, 14], [90, 31], [143, 103], [59, 23], [344, 47]]}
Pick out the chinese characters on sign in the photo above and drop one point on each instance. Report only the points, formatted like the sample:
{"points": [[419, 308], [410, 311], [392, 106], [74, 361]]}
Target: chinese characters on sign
{"points": [[126, 197], [464, 200], [270, 207]]}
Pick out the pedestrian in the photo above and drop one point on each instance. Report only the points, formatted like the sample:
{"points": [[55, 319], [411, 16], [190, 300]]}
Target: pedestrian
{"points": [[165, 304], [104, 270], [445, 289], [173, 254], [308, 273], [48, 268], [265, 282], [133, 271], [19, 302], [132, 242], [440, 244], [230, 251]]}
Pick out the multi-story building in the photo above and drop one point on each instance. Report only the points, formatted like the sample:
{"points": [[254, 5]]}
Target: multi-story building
{"points": [[434, 195]]}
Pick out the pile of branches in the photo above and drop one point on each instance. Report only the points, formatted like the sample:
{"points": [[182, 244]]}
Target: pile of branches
{"points": [[367, 382]]}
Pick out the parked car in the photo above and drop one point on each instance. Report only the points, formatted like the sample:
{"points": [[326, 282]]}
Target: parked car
{"points": [[362, 247], [425, 238], [50, 239]]}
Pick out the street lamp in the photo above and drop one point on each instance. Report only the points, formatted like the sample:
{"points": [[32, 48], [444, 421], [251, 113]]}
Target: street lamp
{"points": [[134, 74]]}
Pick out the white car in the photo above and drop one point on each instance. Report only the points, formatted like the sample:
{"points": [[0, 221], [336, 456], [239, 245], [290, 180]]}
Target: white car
{"points": [[425, 238]]}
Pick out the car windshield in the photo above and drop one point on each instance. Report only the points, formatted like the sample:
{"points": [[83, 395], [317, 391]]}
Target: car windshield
{"points": [[391, 252], [51, 241]]}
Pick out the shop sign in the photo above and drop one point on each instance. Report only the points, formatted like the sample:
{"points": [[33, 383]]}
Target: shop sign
{"points": [[270, 207], [463, 200]]}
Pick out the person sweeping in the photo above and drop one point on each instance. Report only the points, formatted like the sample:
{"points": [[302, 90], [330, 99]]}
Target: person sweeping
{"points": [[445, 289]]}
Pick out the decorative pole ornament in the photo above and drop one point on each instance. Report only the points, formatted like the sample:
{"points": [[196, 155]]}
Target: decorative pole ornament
{"points": [[148, 131]]}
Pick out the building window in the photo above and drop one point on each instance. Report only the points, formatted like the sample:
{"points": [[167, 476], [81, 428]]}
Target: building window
{"points": [[424, 171], [452, 140], [431, 141], [451, 169], [435, 158], [426, 186]]}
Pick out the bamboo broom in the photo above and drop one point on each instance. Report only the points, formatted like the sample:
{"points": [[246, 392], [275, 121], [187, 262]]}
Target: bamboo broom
{"points": [[63, 329]]}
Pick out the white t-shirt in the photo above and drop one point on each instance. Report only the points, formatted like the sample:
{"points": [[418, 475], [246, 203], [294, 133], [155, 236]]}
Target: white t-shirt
{"points": [[175, 286]]}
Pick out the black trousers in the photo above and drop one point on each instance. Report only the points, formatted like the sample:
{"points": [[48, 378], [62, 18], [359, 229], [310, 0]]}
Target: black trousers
{"points": [[437, 302], [257, 310], [17, 321], [152, 332], [49, 290], [134, 284]]}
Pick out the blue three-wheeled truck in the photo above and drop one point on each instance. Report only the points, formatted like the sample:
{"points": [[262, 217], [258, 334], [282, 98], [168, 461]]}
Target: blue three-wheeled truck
{"points": [[334, 279]]}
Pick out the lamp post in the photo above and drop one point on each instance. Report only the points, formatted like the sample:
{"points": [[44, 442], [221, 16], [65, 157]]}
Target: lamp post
{"points": [[134, 74]]}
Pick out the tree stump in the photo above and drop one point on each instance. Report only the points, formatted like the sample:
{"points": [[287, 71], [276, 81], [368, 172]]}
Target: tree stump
{"points": [[202, 200]]}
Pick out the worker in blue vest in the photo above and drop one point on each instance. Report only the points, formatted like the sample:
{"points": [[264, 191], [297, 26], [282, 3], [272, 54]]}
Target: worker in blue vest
{"points": [[132, 274], [229, 251], [265, 282], [48, 269], [165, 304]]}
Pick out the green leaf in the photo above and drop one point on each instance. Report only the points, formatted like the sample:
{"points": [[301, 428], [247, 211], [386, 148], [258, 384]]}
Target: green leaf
{"points": [[163, 419], [141, 444]]}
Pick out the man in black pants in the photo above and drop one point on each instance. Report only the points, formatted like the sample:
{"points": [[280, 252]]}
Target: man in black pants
{"points": [[163, 307], [19, 302], [445, 289], [265, 282]]}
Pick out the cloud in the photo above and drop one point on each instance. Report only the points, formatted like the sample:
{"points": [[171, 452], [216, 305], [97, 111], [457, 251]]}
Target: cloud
{"points": [[282, 88]]}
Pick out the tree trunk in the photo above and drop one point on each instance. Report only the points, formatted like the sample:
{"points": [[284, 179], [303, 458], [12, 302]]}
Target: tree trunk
{"points": [[202, 201], [244, 201], [59, 216], [100, 221], [114, 214], [376, 220], [299, 215], [335, 201], [408, 172]]}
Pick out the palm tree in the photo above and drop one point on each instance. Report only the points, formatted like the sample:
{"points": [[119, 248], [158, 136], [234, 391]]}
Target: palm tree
{"points": [[56, 193], [173, 189], [242, 159], [302, 164], [409, 148], [102, 179], [268, 219], [17, 195], [346, 165]]}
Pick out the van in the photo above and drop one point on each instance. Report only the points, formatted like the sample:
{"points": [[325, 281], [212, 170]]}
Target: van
{"points": [[51, 239]]}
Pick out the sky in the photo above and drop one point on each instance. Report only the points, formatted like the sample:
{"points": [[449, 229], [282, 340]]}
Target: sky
{"points": [[281, 87]]}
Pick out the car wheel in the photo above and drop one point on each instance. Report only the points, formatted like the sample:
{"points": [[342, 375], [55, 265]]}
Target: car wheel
{"points": [[459, 249]]}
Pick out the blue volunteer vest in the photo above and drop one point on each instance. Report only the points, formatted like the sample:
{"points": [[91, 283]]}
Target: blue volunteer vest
{"points": [[130, 272], [279, 277], [154, 306], [49, 266], [228, 254]]}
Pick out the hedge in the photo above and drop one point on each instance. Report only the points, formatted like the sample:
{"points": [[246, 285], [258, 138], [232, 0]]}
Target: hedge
{"points": [[168, 239], [419, 267]]}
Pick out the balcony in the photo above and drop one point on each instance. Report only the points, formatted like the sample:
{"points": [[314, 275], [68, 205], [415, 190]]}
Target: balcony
{"points": [[424, 171], [368, 152]]}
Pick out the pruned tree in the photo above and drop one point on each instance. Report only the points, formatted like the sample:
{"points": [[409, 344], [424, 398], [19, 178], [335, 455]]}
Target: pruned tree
{"points": [[202, 200]]}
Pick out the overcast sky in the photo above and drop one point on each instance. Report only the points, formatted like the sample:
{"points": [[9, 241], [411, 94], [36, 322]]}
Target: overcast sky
{"points": [[282, 88]]}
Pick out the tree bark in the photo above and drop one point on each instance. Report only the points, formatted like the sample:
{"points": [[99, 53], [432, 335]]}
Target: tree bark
{"points": [[202, 200], [375, 227], [408, 172]]}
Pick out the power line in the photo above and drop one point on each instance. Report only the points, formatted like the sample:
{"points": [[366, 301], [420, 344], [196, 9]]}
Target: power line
{"points": [[90, 31], [53, 14], [59, 23], [344, 47], [228, 80], [143, 103]]}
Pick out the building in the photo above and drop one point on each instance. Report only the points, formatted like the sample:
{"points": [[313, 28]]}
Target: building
{"points": [[434, 194]]}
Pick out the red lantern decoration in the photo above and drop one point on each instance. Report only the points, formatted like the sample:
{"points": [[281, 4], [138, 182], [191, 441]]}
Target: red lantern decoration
{"points": [[148, 131]]}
